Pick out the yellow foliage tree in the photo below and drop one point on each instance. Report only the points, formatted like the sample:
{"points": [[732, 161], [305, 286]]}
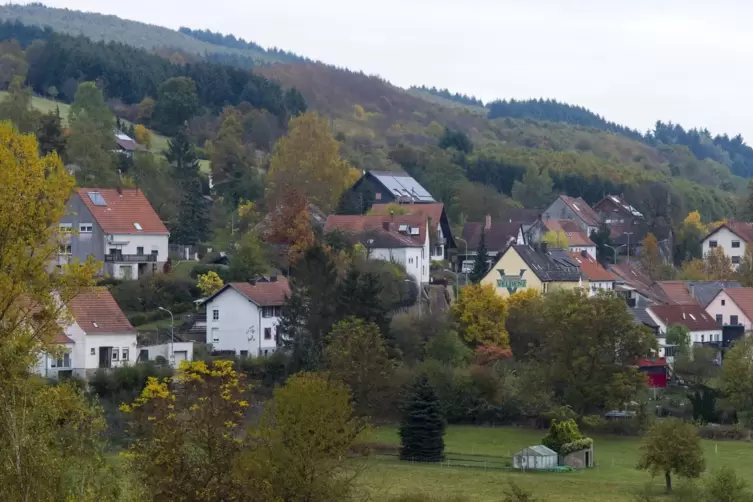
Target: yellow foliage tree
{"points": [[359, 112], [650, 256], [693, 270], [556, 240], [209, 283], [480, 316], [714, 225], [434, 129], [308, 161], [694, 218], [142, 136], [718, 265]]}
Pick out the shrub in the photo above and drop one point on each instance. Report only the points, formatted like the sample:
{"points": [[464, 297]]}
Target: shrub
{"points": [[560, 434], [577, 445], [736, 432]]}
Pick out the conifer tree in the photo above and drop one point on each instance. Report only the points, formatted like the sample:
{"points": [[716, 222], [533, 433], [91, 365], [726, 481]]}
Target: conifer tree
{"points": [[480, 265], [422, 426], [192, 225]]}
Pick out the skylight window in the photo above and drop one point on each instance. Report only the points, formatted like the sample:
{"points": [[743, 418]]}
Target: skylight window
{"points": [[97, 198], [137, 226], [95, 324], [402, 228], [692, 316], [414, 231]]}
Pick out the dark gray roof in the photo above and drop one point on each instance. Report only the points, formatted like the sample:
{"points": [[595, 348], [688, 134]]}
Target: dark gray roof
{"points": [[497, 238], [640, 316], [705, 291], [554, 265]]}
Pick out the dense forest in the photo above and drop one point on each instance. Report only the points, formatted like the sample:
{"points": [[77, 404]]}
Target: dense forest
{"points": [[452, 96], [239, 43]]}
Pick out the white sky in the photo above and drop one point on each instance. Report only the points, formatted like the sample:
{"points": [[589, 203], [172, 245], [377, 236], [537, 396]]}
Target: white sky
{"points": [[633, 62]]}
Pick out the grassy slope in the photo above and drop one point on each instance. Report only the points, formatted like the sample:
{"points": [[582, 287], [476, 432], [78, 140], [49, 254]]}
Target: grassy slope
{"points": [[114, 29], [615, 479]]}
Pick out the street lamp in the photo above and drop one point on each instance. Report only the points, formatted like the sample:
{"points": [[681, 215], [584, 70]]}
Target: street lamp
{"points": [[465, 257], [615, 251], [172, 335], [628, 245]]}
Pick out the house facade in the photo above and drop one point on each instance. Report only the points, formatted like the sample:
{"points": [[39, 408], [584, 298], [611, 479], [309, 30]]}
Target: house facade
{"points": [[118, 227], [577, 240], [733, 307], [576, 209], [98, 337], [403, 239], [385, 187], [732, 237], [498, 236], [702, 327], [523, 267], [440, 231], [243, 317], [596, 277]]}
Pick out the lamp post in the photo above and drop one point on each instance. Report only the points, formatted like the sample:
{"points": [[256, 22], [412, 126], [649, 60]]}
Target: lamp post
{"points": [[628, 246], [465, 256], [615, 251], [172, 336]]}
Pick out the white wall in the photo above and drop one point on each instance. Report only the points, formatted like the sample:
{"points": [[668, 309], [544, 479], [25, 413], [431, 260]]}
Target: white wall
{"points": [[44, 366], [163, 350], [714, 335], [413, 259], [595, 287], [129, 244], [724, 239], [438, 256], [239, 321], [116, 341], [724, 306]]}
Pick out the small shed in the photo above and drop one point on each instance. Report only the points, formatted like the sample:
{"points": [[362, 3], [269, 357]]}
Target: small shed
{"points": [[537, 457], [580, 459]]}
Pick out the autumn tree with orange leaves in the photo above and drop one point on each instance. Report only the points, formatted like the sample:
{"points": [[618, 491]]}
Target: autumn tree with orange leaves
{"points": [[289, 224]]}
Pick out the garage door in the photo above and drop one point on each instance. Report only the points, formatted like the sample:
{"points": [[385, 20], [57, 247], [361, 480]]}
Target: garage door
{"points": [[180, 355]]}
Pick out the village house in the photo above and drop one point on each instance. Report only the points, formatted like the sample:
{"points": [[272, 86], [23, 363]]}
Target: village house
{"points": [[732, 237], [593, 274], [498, 236], [634, 285], [440, 232], [732, 307], [402, 239], [577, 239], [127, 145], [522, 267], [627, 225], [690, 292], [242, 317], [117, 227], [576, 209], [385, 187], [702, 327]]}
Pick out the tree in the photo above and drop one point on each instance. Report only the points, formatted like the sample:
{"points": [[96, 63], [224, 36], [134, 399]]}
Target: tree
{"points": [[556, 240], [289, 225], [697, 368], [455, 139], [480, 263], [679, 335], [693, 270], [17, 108], [304, 439], [745, 213], [359, 294], [737, 379], [718, 265], [12, 67], [233, 172], [561, 433], [92, 141], [50, 133], [480, 316], [651, 257], [308, 161], [688, 238], [725, 485], [248, 260], [143, 136], [745, 269], [177, 102], [192, 221], [534, 190], [524, 323], [602, 239], [422, 426], [672, 446], [356, 355], [209, 283], [146, 110], [447, 348]]}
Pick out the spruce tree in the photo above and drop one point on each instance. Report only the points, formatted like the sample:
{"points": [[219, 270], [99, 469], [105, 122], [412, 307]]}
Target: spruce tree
{"points": [[192, 225], [422, 426], [480, 265]]}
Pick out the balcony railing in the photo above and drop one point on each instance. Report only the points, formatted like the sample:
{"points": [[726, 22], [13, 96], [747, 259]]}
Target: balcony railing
{"points": [[130, 258]]}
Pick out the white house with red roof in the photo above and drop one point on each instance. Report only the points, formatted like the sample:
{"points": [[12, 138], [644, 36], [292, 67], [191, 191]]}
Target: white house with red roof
{"points": [[733, 237], [117, 227], [242, 317]]}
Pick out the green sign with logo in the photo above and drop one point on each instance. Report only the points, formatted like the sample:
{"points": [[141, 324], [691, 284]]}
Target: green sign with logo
{"points": [[511, 282]]}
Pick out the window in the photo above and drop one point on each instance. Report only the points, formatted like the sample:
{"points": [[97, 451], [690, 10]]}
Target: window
{"points": [[410, 260], [215, 315], [66, 228], [124, 354], [378, 196], [724, 302], [62, 362], [115, 353], [215, 335], [703, 338], [719, 319], [268, 311], [64, 249], [126, 272], [97, 198], [85, 228], [735, 260], [140, 250], [137, 226], [244, 353], [144, 355], [266, 352], [93, 352], [733, 320], [267, 333], [155, 252], [735, 244], [712, 244]]}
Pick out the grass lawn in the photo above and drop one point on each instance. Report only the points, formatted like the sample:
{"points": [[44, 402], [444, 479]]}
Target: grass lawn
{"points": [[183, 268], [614, 479]]}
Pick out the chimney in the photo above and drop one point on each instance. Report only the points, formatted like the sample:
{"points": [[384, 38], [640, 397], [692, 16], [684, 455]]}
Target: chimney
{"points": [[692, 290], [252, 282], [386, 226], [488, 223], [120, 191], [584, 253], [272, 278]]}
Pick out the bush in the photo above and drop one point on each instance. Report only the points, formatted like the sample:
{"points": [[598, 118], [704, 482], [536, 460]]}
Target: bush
{"points": [[126, 383], [421, 497], [735, 432], [151, 292], [560, 434], [577, 445], [222, 270]]}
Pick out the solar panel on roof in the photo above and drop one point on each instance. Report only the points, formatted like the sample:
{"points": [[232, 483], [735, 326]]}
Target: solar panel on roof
{"points": [[97, 198], [405, 184]]}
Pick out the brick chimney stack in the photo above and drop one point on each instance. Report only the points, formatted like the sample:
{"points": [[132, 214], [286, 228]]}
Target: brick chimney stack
{"points": [[488, 223]]}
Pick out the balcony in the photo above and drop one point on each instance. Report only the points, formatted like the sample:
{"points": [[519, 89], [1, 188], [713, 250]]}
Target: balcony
{"points": [[130, 258]]}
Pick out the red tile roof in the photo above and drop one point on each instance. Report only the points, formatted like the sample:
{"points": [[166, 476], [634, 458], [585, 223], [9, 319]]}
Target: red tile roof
{"points": [[743, 298], [676, 292], [693, 317], [355, 224], [433, 211], [619, 204], [582, 209], [742, 229], [123, 208], [264, 294], [62, 338], [96, 312], [592, 269], [575, 236]]}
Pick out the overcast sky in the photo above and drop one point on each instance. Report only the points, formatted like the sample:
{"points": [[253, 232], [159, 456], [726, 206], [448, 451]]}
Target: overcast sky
{"points": [[632, 62]]}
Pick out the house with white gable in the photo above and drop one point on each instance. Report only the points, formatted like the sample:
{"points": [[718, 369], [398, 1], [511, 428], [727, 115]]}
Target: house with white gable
{"points": [[98, 335], [402, 239], [440, 231], [703, 329], [732, 237], [118, 227], [242, 317]]}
